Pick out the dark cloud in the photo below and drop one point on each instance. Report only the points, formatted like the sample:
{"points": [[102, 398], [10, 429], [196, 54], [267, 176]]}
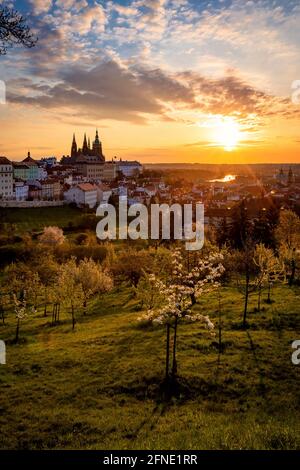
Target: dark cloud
{"points": [[109, 91], [112, 91]]}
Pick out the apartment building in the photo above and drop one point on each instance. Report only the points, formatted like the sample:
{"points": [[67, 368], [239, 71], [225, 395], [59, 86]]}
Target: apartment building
{"points": [[6, 179]]}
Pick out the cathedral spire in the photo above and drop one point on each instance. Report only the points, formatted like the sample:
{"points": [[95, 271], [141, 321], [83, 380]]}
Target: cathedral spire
{"points": [[85, 149], [74, 147]]}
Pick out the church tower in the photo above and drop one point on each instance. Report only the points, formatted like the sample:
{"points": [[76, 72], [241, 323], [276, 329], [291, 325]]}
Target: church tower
{"points": [[85, 148], [97, 148], [74, 148]]}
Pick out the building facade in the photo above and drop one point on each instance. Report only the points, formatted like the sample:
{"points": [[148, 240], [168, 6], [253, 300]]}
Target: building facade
{"points": [[84, 194], [129, 168], [6, 179]]}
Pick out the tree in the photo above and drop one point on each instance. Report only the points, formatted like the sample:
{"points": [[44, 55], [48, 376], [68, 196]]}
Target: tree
{"points": [[245, 270], [70, 289], [20, 307], [241, 228], [92, 280], [14, 30], [148, 291], [223, 234], [176, 300], [288, 240], [55, 296], [52, 236], [33, 287], [268, 270], [131, 264], [264, 227], [22, 278]]}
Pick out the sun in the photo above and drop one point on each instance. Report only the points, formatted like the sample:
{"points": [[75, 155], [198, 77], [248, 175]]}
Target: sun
{"points": [[228, 134]]}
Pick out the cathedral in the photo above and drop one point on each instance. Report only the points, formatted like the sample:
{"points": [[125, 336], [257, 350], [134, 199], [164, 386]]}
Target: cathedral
{"points": [[86, 154]]}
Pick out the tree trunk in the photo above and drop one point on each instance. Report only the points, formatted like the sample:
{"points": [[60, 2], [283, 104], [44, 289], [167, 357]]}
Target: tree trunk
{"points": [[293, 273], [246, 298], [174, 364], [2, 316], [220, 326], [167, 353], [193, 299], [73, 318], [259, 300], [84, 307], [45, 310], [17, 330], [269, 293]]}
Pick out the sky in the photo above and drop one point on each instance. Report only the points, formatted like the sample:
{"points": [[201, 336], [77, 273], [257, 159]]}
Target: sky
{"points": [[162, 80]]}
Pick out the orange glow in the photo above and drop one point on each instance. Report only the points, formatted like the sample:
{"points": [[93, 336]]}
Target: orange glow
{"points": [[228, 134]]}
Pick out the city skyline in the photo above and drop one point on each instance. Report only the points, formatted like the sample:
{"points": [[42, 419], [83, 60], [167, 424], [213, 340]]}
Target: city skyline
{"points": [[164, 81]]}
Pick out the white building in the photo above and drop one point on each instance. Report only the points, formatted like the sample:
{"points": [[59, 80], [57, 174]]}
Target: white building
{"points": [[129, 168], [84, 194], [21, 191], [43, 175], [103, 193], [49, 161], [6, 179]]}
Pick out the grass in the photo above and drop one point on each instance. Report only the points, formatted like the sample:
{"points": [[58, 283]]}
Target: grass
{"points": [[37, 218], [99, 386]]}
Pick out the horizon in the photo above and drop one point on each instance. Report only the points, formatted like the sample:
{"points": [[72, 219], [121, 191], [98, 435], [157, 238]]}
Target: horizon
{"points": [[163, 81]]}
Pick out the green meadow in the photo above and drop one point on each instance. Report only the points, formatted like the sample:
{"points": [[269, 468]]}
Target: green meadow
{"points": [[99, 387], [36, 219]]}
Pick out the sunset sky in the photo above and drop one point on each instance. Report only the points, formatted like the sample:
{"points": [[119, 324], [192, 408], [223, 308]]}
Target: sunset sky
{"points": [[162, 80]]}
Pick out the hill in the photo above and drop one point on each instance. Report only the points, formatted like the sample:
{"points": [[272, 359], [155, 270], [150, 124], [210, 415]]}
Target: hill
{"points": [[99, 386]]}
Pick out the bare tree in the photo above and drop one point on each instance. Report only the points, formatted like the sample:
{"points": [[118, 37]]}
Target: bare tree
{"points": [[14, 30]]}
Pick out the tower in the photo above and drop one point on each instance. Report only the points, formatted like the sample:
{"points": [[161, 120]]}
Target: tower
{"points": [[74, 148], [85, 149], [97, 147]]}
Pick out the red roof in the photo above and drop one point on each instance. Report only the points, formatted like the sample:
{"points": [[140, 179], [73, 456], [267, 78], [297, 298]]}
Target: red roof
{"points": [[87, 187]]}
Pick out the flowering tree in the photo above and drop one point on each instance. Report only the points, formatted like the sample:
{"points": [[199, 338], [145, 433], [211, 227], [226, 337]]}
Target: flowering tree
{"points": [[33, 287], [52, 236], [93, 280], [288, 241], [177, 295], [269, 270], [69, 290], [20, 307]]}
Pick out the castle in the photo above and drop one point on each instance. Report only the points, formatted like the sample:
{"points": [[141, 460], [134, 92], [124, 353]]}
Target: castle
{"points": [[86, 154]]}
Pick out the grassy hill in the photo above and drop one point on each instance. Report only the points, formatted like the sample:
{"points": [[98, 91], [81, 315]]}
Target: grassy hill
{"points": [[99, 386], [38, 218]]}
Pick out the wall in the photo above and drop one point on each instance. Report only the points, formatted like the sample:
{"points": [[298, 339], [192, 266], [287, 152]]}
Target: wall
{"points": [[26, 204]]}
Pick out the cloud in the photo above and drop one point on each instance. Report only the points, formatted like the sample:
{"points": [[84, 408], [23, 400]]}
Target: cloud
{"points": [[109, 91], [41, 6], [134, 93]]}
